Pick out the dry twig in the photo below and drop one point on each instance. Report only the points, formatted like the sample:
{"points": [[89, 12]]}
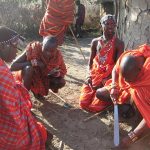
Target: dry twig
{"points": [[97, 114], [65, 103]]}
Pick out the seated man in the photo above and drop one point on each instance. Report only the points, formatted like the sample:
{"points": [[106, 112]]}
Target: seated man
{"points": [[131, 75], [42, 67], [18, 128], [105, 50]]}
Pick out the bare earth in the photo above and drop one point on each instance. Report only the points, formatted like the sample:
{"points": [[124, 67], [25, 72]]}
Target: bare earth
{"points": [[67, 124]]}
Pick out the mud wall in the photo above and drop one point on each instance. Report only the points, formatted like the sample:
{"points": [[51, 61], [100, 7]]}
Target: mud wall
{"points": [[134, 22]]}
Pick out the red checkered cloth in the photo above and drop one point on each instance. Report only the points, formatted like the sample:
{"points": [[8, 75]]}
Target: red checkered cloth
{"points": [[18, 128]]}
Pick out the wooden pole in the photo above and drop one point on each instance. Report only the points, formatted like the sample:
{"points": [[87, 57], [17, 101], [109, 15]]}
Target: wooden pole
{"points": [[77, 43]]}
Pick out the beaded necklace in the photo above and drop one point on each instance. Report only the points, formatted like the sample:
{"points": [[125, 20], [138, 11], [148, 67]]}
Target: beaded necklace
{"points": [[103, 54]]}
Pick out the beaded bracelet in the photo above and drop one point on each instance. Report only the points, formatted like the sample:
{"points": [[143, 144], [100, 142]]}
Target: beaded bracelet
{"points": [[132, 136]]}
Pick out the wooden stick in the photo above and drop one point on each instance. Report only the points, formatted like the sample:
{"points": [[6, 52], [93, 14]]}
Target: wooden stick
{"points": [[77, 43], [58, 97], [95, 115], [61, 99]]}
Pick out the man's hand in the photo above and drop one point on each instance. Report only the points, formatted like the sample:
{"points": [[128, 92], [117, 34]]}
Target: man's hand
{"points": [[38, 63], [54, 72], [88, 81], [114, 94]]}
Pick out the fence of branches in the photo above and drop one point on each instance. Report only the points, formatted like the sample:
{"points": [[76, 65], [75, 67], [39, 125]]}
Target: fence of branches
{"points": [[22, 15]]}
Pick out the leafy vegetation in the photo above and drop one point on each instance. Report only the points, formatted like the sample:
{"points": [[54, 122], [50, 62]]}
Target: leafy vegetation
{"points": [[22, 15]]}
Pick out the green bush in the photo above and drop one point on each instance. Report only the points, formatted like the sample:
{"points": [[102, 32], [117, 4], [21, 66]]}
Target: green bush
{"points": [[23, 16]]}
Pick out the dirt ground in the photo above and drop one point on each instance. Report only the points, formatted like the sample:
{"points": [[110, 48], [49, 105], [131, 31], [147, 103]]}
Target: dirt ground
{"points": [[67, 124]]}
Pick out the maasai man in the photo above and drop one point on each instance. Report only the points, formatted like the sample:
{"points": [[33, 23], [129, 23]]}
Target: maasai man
{"points": [[42, 67], [104, 52], [18, 128], [80, 15], [131, 75]]}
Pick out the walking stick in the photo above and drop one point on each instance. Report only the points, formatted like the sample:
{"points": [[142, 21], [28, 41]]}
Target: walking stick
{"points": [[77, 42]]}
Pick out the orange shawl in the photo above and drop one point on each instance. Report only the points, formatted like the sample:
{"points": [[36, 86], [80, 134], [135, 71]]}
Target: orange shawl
{"points": [[102, 69], [139, 90]]}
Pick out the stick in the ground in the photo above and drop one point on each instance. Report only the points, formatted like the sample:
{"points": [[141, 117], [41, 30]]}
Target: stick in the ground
{"points": [[91, 117]]}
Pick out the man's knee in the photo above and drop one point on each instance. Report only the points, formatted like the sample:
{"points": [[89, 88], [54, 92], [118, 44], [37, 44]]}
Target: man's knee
{"points": [[62, 83], [28, 71], [57, 83], [103, 94]]}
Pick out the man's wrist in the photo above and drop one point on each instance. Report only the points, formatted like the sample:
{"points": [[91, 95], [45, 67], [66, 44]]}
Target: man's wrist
{"points": [[114, 85], [133, 136]]}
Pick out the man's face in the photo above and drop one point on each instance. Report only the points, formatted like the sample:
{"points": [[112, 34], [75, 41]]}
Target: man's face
{"points": [[109, 26], [49, 49]]}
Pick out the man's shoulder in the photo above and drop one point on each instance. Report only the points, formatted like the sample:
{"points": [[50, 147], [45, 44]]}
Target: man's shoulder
{"points": [[59, 53], [95, 40], [118, 40], [119, 43]]}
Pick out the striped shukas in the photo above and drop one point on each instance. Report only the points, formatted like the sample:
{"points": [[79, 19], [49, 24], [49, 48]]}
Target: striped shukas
{"points": [[58, 16]]}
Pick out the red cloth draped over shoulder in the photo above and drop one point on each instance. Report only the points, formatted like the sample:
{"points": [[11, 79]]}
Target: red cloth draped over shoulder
{"points": [[139, 90], [103, 64], [102, 69], [40, 80], [58, 16], [18, 128]]}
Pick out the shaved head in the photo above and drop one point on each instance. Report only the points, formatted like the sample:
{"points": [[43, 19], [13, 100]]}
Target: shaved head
{"points": [[129, 68], [49, 40], [49, 43]]}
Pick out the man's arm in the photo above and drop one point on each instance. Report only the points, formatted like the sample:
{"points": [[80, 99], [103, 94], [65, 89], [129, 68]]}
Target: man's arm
{"points": [[114, 93], [20, 62], [138, 132], [115, 76], [94, 45], [119, 49], [141, 128]]}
